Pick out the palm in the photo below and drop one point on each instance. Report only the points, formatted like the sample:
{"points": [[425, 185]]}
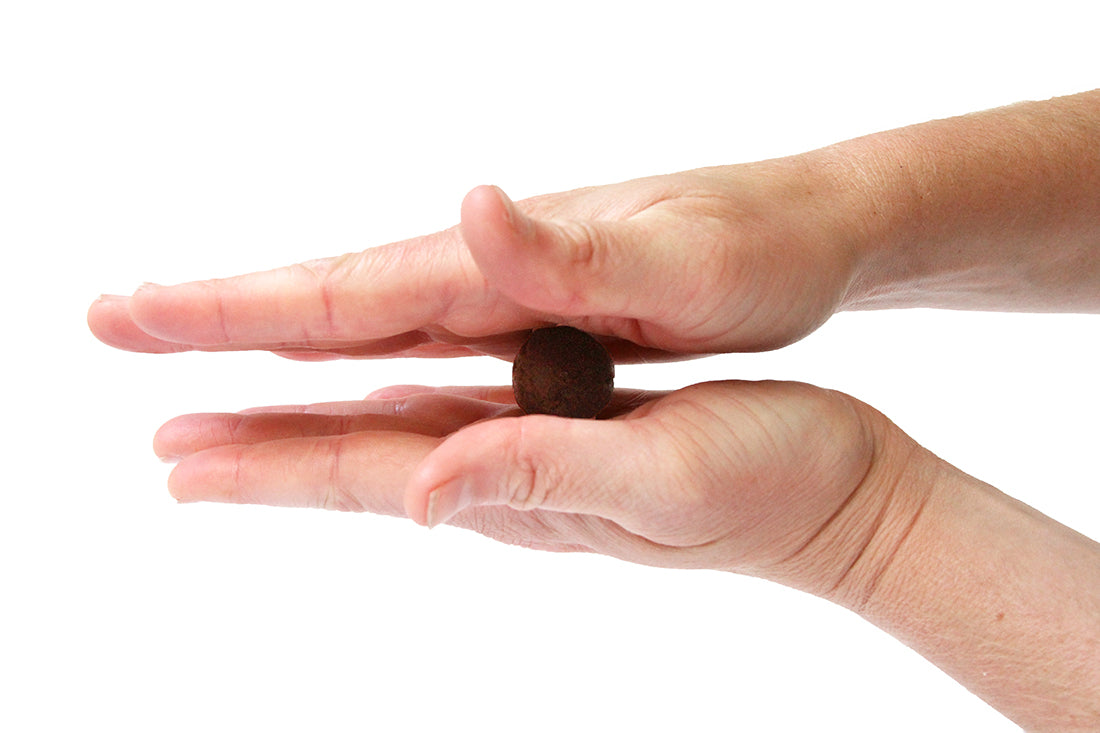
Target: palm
{"points": [[733, 475]]}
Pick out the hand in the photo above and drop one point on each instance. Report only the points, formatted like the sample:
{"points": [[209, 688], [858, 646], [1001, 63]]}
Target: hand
{"points": [[732, 258], [736, 258], [774, 479]]}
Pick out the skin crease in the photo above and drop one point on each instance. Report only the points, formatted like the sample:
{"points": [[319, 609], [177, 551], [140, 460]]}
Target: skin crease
{"points": [[785, 481]]}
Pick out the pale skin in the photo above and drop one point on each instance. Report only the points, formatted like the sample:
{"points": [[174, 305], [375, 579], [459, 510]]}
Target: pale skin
{"points": [[998, 210]]}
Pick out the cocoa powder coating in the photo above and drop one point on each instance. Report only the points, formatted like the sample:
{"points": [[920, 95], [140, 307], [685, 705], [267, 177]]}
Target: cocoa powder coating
{"points": [[563, 371]]}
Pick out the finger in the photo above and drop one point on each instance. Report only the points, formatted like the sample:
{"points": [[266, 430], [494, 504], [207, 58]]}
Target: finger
{"points": [[532, 462], [356, 472], [375, 294], [109, 320], [399, 344], [622, 268], [379, 349], [430, 415], [497, 394], [345, 407]]}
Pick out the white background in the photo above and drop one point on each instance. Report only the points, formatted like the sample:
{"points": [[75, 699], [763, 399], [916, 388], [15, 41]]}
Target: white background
{"points": [[168, 141]]}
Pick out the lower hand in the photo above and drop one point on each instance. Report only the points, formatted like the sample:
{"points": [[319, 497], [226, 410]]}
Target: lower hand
{"points": [[771, 479]]}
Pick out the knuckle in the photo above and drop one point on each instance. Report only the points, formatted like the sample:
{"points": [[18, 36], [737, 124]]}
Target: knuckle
{"points": [[236, 429], [337, 494], [217, 290], [576, 262], [584, 244], [532, 476], [237, 489], [331, 277]]}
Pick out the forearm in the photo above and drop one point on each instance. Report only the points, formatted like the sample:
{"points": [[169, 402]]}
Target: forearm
{"points": [[998, 210], [999, 596]]}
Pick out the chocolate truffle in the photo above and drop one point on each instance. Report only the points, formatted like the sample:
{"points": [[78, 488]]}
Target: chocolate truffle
{"points": [[562, 371]]}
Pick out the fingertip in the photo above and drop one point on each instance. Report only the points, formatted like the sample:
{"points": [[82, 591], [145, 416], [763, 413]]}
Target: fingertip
{"points": [[102, 313], [488, 201], [110, 320], [208, 475], [181, 482], [487, 223], [185, 435], [166, 441]]}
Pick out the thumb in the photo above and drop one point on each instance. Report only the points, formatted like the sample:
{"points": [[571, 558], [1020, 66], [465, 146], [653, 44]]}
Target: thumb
{"points": [[529, 462], [572, 267]]}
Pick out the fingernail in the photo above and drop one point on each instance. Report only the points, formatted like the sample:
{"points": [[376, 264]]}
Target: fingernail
{"points": [[170, 459], [148, 287], [509, 207], [515, 219], [447, 501]]}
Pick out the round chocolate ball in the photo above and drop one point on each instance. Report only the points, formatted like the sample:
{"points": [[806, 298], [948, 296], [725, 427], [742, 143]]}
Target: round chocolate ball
{"points": [[563, 371]]}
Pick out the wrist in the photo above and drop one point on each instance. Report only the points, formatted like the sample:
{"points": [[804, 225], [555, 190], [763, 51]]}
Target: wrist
{"points": [[891, 258], [848, 556], [864, 215], [1002, 598]]}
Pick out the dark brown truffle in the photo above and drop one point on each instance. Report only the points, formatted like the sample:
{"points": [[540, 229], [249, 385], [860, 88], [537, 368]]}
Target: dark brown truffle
{"points": [[563, 371]]}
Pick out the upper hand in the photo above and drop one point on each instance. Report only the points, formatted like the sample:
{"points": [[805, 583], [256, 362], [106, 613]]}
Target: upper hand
{"points": [[737, 258]]}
